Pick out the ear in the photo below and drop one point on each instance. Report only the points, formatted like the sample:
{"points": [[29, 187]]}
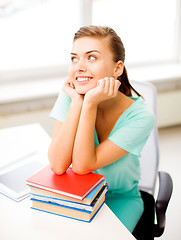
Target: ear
{"points": [[118, 70]]}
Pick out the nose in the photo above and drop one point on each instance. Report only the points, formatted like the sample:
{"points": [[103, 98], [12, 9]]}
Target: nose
{"points": [[81, 66]]}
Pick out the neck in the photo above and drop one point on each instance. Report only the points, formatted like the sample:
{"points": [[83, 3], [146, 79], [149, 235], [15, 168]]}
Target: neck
{"points": [[110, 103]]}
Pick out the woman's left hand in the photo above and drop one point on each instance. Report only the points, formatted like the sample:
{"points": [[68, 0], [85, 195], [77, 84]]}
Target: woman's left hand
{"points": [[106, 88]]}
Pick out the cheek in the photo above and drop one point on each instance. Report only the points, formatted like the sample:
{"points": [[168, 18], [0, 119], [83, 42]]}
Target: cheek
{"points": [[99, 71], [71, 72], [104, 71]]}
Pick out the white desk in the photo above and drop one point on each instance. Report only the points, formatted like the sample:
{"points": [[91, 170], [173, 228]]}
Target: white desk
{"points": [[19, 222]]}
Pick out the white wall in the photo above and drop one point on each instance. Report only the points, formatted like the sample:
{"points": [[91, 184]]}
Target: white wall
{"points": [[169, 108]]}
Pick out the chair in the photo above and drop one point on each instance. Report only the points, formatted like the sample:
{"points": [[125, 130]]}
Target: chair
{"points": [[147, 228]]}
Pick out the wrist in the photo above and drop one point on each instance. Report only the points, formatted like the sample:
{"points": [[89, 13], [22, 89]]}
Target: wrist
{"points": [[90, 100], [77, 101], [89, 104]]}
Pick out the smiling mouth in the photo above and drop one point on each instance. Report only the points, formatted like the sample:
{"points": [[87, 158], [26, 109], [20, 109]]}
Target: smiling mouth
{"points": [[83, 79]]}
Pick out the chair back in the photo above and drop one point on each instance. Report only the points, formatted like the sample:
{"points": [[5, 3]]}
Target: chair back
{"points": [[149, 156]]}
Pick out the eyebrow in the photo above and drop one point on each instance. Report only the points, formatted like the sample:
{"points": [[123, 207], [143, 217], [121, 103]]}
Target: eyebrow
{"points": [[87, 52]]}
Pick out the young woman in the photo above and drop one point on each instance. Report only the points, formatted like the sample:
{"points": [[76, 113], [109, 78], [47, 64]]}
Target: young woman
{"points": [[99, 125]]}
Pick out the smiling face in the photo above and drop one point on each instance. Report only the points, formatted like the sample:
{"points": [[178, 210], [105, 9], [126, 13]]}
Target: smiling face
{"points": [[91, 60]]}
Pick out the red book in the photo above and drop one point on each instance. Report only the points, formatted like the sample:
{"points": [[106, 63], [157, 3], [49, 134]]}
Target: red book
{"points": [[68, 184]]}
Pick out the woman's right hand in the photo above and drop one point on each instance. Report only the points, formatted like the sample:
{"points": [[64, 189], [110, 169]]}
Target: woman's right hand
{"points": [[69, 89]]}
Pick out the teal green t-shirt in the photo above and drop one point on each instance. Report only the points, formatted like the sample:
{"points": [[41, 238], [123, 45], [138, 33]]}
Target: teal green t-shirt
{"points": [[130, 133]]}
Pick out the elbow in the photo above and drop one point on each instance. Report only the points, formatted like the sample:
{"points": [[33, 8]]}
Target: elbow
{"points": [[56, 165], [80, 169], [57, 170]]}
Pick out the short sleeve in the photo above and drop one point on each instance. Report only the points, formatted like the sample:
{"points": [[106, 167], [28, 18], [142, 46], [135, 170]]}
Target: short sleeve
{"points": [[132, 134], [61, 107]]}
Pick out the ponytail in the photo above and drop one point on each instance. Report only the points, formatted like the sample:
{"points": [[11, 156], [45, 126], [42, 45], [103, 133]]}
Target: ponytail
{"points": [[125, 86]]}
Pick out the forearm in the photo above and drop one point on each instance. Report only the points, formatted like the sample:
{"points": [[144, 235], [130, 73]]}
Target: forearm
{"points": [[84, 155], [61, 147]]}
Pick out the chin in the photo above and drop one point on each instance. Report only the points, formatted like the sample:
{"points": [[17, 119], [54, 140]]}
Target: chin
{"points": [[81, 91]]}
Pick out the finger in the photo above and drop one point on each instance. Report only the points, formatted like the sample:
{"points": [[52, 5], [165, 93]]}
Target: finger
{"points": [[69, 83], [66, 83], [116, 86], [98, 82], [101, 83], [112, 85], [118, 83], [68, 80], [107, 84], [72, 85]]}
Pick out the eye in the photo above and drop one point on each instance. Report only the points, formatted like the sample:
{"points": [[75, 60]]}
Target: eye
{"points": [[91, 58], [73, 59]]}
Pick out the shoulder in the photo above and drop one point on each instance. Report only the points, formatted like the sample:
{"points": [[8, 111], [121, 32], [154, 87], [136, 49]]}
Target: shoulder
{"points": [[63, 101], [139, 108], [138, 114], [61, 107]]}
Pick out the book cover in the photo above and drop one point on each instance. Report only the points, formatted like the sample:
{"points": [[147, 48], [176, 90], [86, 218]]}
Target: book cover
{"points": [[87, 200], [61, 202], [69, 212], [68, 184]]}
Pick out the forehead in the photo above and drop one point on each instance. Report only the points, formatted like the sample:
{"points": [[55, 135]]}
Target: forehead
{"points": [[85, 44]]}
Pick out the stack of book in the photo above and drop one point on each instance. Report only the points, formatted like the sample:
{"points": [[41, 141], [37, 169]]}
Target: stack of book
{"points": [[70, 195]]}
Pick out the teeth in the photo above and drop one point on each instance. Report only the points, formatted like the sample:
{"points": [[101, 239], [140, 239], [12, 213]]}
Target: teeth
{"points": [[83, 79]]}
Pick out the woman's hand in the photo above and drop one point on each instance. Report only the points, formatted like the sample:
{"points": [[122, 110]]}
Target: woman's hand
{"points": [[106, 88], [69, 89]]}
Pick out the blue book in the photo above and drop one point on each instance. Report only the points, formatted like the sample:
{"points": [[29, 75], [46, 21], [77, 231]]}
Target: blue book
{"points": [[72, 204], [65, 211]]}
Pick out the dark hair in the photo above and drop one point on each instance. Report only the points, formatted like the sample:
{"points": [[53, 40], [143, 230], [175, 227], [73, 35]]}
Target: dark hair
{"points": [[116, 47]]}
